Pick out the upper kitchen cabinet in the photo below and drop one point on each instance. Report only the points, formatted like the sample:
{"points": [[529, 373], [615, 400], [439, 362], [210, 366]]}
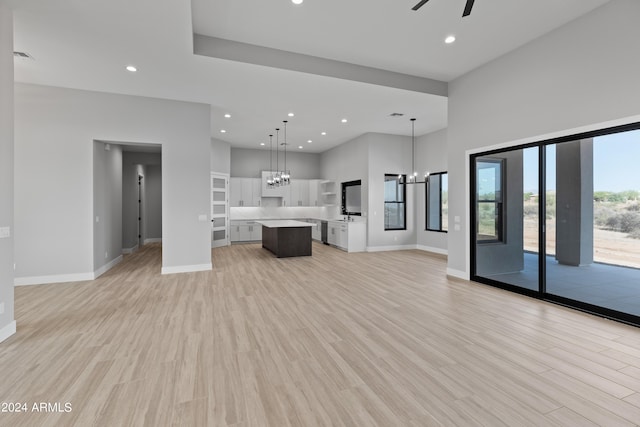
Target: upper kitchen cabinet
{"points": [[299, 193], [244, 192]]}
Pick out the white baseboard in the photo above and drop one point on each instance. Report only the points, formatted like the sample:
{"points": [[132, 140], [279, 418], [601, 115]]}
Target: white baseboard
{"points": [[390, 248], [457, 273], [99, 272], [432, 249], [7, 331], [154, 240], [186, 268], [130, 250], [58, 278]]}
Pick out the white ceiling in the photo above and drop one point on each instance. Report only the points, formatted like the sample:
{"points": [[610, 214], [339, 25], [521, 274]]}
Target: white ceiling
{"points": [[87, 44]]}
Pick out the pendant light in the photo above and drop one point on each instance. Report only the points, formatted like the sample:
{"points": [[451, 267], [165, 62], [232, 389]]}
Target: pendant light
{"points": [[285, 172], [277, 178], [270, 177], [413, 177]]}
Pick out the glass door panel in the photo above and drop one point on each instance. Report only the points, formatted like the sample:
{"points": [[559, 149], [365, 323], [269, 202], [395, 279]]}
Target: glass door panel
{"points": [[593, 221], [506, 218]]}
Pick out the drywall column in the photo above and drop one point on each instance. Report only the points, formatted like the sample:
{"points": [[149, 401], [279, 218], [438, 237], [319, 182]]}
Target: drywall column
{"points": [[574, 202], [7, 323]]}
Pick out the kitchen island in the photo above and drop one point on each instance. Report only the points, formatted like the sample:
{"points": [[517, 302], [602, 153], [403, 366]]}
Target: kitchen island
{"points": [[286, 238]]}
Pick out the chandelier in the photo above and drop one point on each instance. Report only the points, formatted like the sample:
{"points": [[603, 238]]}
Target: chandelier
{"points": [[278, 178], [413, 177]]}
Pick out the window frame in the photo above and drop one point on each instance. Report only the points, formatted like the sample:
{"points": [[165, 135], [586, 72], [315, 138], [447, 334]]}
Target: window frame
{"points": [[400, 183], [427, 200], [498, 202]]}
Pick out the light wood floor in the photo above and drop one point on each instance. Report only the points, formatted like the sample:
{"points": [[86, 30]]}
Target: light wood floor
{"points": [[336, 339]]}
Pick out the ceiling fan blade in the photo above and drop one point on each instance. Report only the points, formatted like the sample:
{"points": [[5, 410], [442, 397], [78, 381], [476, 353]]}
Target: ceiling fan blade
{"points": [[419, 5], [467, 8]]}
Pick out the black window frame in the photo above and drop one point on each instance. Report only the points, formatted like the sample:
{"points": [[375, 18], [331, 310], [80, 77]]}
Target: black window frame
{"points": [[400, 179], [427, 199], [343, 207], [498, 202]]}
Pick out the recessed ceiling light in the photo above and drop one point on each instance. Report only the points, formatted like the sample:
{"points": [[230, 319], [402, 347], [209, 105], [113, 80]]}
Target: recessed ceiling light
{"points": [[344, 120], [300, 147], [323, 133], [227, 116], [309, 141], [223, 131], [131, 68], [262, 143], [450, 39], [297, 1], [290, 114]]}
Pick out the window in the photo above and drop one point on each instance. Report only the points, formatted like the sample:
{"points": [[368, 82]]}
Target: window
{"points": [[437, 197], [395, 208], [489, 196], [352, 198]]}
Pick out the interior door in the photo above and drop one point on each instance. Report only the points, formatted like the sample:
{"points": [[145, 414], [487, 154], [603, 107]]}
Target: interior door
{"points": [[219, 210]]}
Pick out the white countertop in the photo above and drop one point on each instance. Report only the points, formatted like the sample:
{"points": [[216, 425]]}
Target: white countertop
{"points": [[283, 223]]}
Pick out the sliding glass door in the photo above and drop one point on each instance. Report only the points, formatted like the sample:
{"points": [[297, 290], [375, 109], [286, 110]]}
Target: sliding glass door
{"points": [[506, 217], [560, 220]]}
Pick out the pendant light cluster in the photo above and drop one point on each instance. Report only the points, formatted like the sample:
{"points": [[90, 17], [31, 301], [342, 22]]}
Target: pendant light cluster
{"points": [[279, 177], [413, 177]]}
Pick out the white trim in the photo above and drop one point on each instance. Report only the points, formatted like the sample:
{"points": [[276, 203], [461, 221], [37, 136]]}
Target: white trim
{"points": [[130, 250], [457, 273], [390, 248], [432, 249], [187, 268], [58, 278], [99, 272], [153, 240], [7, 331]]}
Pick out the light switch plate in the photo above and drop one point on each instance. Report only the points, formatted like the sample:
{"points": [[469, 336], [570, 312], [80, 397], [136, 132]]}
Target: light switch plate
{"points": [[202, 217], [5, 232]]}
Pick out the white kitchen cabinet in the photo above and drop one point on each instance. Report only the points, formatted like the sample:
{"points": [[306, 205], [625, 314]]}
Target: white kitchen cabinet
{"points": [[244, 192], [348, 236], [314, 193], [299, 195], [245, 231], [316, 230], [333, 231], [286, 195]]}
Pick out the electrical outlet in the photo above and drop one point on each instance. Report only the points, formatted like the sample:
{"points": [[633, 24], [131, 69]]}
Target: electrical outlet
{"points": [[1, 307], [106, 254], [5, 232]]}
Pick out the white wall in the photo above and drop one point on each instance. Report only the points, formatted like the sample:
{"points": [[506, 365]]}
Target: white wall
{"points": [[7, 323], [347, 162], [580, 76], [368, 158], [431, 156], [388, 154], [220, 156], [107, 205], [153, 204], [250, 163], [55, 129]]}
